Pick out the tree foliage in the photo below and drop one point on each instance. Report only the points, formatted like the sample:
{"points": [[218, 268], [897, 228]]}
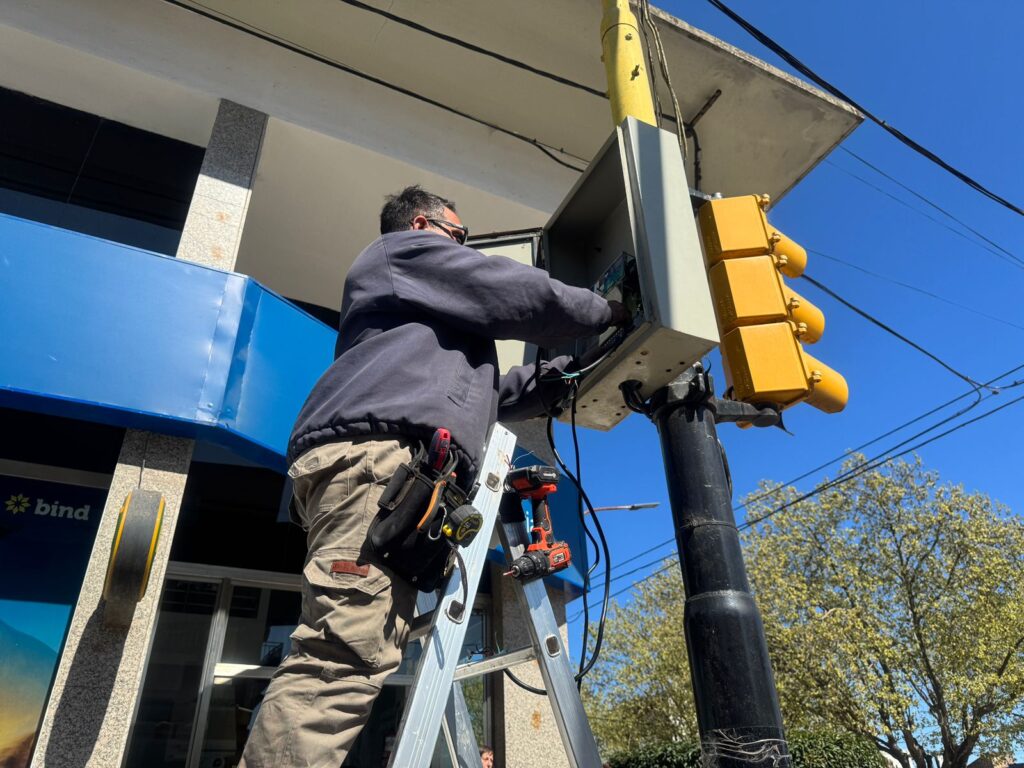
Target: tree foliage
{"points": [[894, 610], [894, 607], [639, 693], [808, 749]]}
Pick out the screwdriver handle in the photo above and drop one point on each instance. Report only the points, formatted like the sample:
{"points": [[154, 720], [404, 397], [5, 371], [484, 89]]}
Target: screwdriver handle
{"points": [[440, 444]]}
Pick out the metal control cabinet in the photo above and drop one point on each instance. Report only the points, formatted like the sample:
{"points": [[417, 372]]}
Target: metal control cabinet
{"points": [[627, 230]]}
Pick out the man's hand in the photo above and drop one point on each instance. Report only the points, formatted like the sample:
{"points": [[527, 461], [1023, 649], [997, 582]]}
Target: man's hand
{"points": [[620, 315]]}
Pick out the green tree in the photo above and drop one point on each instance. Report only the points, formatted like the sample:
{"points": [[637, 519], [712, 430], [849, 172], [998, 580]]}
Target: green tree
{"points": [[894, 608], [639, 693], [808, 749]]}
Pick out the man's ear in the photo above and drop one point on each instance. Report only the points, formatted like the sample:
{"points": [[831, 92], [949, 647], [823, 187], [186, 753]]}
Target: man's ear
{"points": [[419, 222]]}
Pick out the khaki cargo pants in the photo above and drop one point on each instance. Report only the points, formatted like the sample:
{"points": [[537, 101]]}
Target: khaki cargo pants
{"points": [[355, 617]]}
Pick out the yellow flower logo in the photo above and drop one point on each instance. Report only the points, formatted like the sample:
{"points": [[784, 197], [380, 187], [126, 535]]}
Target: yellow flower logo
{"points": [[16, 504]]}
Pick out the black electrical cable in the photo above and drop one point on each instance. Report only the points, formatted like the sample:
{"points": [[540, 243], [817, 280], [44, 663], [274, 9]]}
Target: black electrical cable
{"points": [[585, 644], [599, 548], [807, 72], [475, 48], [261, 34], [689, 127], [894, 430], [517, 63], [832, 484], [924, 199], [524, 685], [632, 584], [599, 637], [776, 491], [868, 466], [889, 329], [883, 457], [664, 568], [916, 289], [998, 252]]}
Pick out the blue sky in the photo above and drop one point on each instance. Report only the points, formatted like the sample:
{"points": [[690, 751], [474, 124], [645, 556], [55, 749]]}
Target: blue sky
{"points": [[947, 75]]}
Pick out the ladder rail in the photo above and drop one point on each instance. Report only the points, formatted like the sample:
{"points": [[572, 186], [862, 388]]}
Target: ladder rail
{"points": [[436, 701], [555, 668], [442, 645], [458, 731]]}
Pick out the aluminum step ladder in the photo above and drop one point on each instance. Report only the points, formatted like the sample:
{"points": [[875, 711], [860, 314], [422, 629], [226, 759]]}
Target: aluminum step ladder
{"points": [[436, 701]]}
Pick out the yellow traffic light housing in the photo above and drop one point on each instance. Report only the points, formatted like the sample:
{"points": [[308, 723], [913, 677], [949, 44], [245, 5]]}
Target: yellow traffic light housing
{"points": [[762, 321]]}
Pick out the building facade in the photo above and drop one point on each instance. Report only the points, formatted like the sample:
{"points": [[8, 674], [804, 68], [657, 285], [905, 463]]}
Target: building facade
{"points": [[182, 188]]}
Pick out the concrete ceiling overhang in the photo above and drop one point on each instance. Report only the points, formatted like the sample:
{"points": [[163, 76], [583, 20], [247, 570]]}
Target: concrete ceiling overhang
{"points": [[765, 132], [337, 143]]}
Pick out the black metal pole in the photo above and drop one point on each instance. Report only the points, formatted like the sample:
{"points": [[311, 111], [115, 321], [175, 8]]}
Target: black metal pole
{"points": [[733, 686]]}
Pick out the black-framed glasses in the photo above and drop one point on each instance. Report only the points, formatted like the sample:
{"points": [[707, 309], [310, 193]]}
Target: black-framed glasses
{"points": [[457, 232]]}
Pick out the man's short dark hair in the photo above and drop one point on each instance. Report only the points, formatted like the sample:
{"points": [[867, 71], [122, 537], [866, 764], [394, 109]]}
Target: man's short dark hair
{"points": [[399, 210]]}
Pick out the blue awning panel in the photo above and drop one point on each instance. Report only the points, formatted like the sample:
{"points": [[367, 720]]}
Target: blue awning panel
{"points": [[105, 332]]}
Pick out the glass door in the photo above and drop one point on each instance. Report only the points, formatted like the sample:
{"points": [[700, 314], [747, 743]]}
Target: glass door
{"points": [[219, 638], [220, 635]]}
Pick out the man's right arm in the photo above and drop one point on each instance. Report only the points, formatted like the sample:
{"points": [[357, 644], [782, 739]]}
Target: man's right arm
{"points": [[493, 296]]}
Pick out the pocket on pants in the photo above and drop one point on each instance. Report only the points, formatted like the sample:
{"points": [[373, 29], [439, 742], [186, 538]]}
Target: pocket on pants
{"points": [[346, 604]]}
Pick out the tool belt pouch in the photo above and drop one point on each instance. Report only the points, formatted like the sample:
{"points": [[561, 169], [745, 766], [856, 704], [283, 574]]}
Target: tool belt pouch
{"points": [[400, 537]]}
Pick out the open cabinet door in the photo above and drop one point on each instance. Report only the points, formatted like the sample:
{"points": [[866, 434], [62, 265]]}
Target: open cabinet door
{"points": [[523, 246]]}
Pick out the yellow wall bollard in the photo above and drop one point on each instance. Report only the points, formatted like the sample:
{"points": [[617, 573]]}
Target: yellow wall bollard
{"points": [[629, 89], [131, 555]]}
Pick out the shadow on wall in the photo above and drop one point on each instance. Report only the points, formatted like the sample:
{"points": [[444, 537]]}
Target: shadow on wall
{"points": [[89, 683]]}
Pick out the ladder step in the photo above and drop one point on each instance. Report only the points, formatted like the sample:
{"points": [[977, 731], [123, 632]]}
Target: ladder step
{"points": [[494, 663], [435, 698], [421, 625]]}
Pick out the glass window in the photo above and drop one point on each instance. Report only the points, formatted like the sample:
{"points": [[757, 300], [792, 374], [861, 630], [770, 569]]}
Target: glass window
{"points": [[259, 625], [82, 172], [167, 709], [242, 505]]}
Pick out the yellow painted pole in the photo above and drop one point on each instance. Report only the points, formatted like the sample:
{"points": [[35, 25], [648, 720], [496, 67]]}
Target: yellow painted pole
{"points": [[629, 90]]}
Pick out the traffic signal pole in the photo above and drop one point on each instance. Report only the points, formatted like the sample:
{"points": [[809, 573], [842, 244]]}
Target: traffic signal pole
{"points": [[733, 686]]}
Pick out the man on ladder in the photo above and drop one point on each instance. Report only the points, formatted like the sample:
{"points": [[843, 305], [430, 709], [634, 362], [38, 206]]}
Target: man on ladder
{"points": [[420, 314]]}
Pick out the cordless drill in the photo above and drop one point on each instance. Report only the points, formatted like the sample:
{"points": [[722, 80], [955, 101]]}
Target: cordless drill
{"points": [[544, 556]]}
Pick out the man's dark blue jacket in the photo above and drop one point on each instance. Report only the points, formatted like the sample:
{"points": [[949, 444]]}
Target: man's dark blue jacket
{"points": [[419, 318]]}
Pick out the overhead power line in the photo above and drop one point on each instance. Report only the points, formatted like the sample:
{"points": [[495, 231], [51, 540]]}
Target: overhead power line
{"points": [[916, 289], [517, 63], [997, 251], [633, 584], [889, 433], [845, 454], [930, 203], [867, 466], [810, 74], [888, 329], [261, 34]]}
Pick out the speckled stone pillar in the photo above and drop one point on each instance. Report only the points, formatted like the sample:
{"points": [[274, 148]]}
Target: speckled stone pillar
{"points": [[528, 735], [92, 704], [531, 737]]}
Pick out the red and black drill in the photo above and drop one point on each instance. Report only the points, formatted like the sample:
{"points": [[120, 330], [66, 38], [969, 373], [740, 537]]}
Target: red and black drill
{"points": [[544, 556]]}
